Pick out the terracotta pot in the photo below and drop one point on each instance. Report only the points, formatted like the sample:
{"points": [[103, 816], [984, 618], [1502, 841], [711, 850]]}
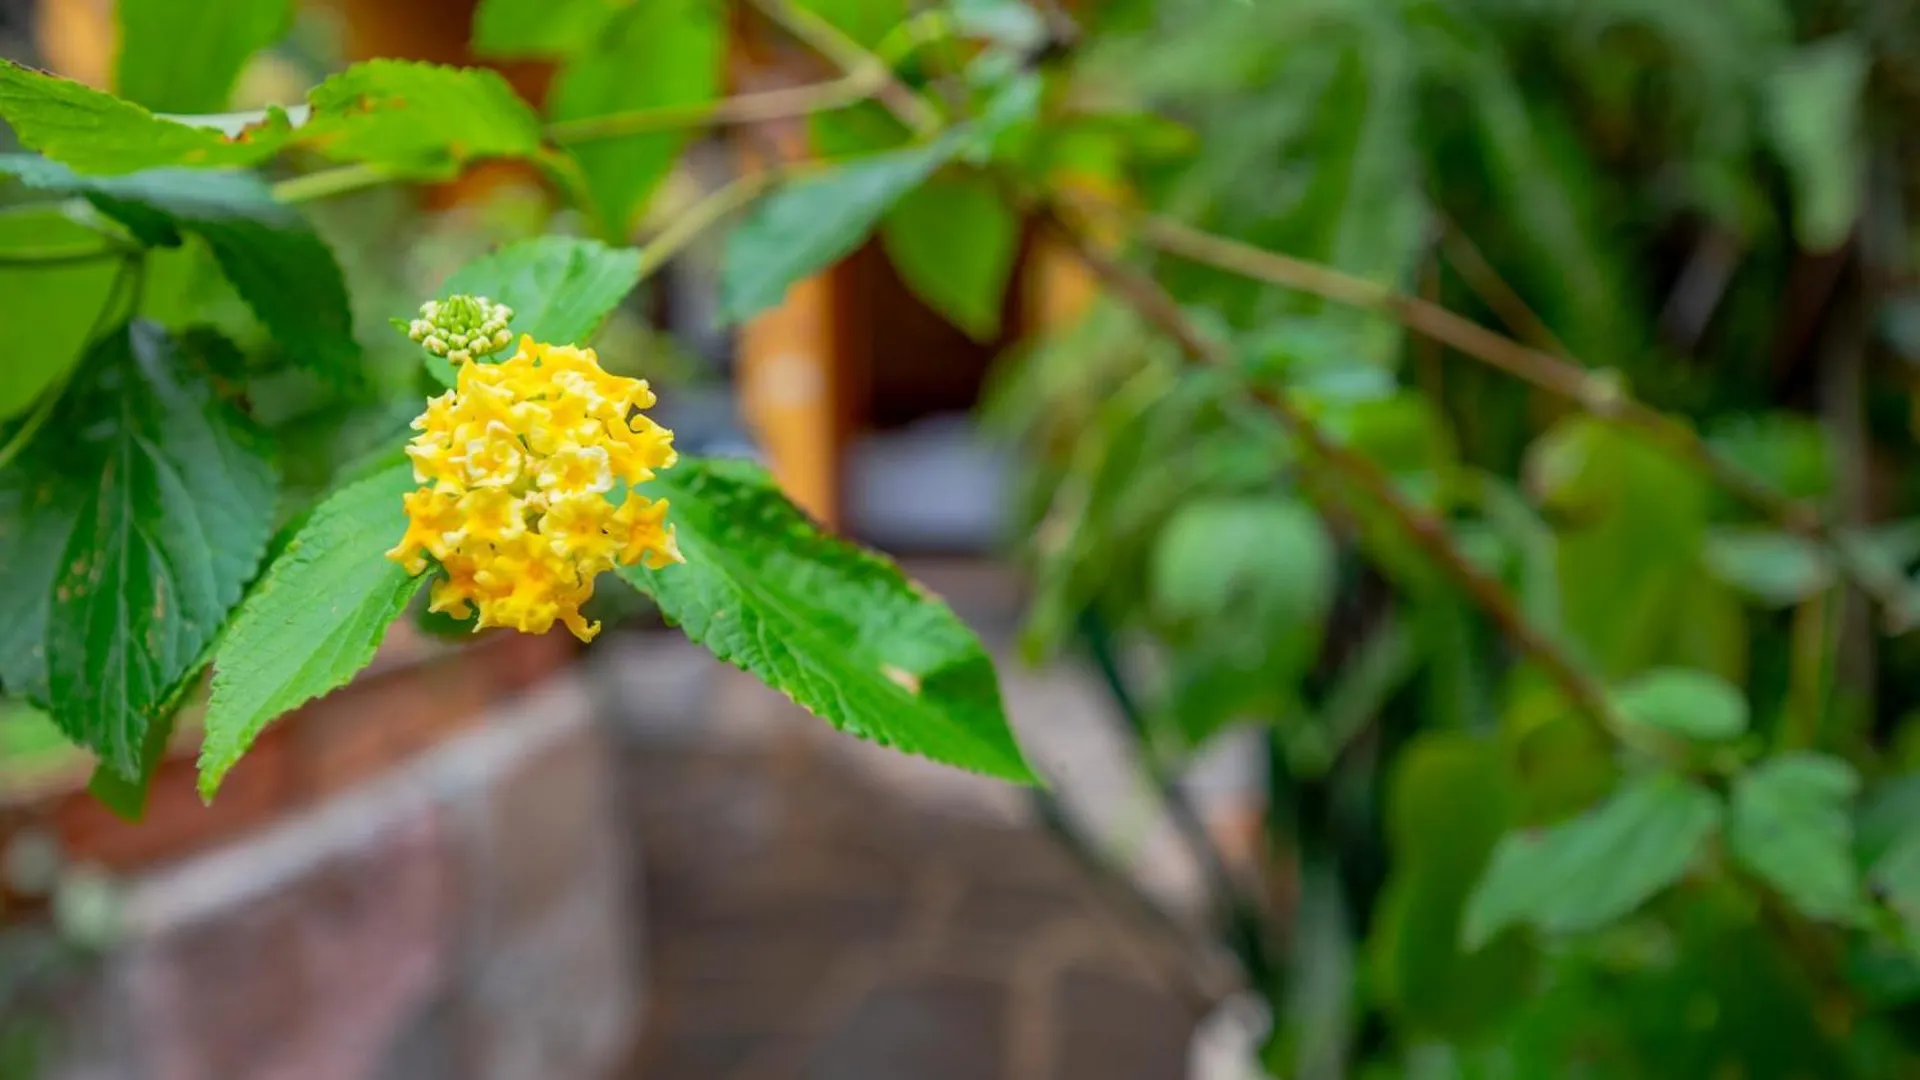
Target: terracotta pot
{"points": [[418, 693]]}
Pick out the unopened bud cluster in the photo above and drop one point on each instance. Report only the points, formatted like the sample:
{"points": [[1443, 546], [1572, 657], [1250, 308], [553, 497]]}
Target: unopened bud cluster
{"points": [[462, 328]]}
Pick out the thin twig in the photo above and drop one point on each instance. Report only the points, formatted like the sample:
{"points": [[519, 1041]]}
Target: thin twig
{"points": [[1426, 530], [826, 39], [1597, 392], [759, 107], [1490, 287], [701, 216]]}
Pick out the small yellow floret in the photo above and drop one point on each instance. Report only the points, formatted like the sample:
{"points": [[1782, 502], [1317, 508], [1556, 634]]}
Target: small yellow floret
{"points": [[518, 465]]}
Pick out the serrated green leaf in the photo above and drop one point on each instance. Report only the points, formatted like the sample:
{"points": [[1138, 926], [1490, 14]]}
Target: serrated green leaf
{"points": [[560, 288], [1790, 822], [1585, 873], [539, 27], [273, 258], [50, 307], [812, 222], [653, 55], [1682, 701], [1452, 796], [953, 242], [185, 54], [172, 523], [99, 133], [40, 496], [314, 620], [419, 119], [835, 627]]}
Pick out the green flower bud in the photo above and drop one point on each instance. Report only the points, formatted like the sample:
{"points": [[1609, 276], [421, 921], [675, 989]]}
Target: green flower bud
{"points": [[461, 328]]}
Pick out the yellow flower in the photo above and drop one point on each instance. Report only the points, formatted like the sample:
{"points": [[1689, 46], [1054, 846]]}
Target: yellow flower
{"points": [[518, 503]]}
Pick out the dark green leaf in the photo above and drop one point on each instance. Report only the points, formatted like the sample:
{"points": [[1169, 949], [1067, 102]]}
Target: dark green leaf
{"points": [[419, 119], [539, 27], [126, 796], [1895, 874], [40, 496], [314, 620], [1790, 822], [182, 56], [655, 54], [1452, 797], [276, 262], [812, 222], [953, 242], [49, 307], [560, 288], [1680, 701], [173, 525], [833, 626], [99, 133], [1588, 872]]}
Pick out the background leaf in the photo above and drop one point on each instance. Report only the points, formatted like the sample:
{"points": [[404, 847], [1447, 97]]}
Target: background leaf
{"points": [[316, 618], [653, 54], [274, 259], [1813, 112], [174, 523], [1588, 872], [560, 288], [538, 27], [1790, 822], [953, 241], [812, 222], [182, 56], [1683, 702], [49, 307], [833, 626]]}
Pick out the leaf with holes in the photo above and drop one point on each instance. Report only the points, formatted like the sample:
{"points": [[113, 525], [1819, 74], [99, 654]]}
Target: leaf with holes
{"points": [[419, 119], [172, 521], [835, 627], [314, 620]]}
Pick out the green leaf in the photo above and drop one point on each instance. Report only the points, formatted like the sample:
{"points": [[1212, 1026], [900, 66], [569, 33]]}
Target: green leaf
{"points": [[1684, 702], [182, 56], [539, 27], [1895, 874], [655, 54], [867, 22], [1452, 796], [953, 242], [314, 620], [126, 796], [1814, 117], [1264, 555], [50, 307], [560, 288], [1789, 822], [174, 518], [419, 119], [812, 222], [835, 627], [99, 133], [1777, 568], [276, 262], [1586, 873], [40, 496]]}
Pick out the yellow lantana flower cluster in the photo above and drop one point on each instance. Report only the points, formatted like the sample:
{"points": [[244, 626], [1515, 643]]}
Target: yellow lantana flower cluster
{"points": [[518, 465]]}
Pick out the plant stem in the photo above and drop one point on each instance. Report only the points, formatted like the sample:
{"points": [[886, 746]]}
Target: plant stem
{"points": [[1426, 530], [330, 182], [701, 216], [1596, 392], [824, 38], [850, 89], [61, 255]]}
